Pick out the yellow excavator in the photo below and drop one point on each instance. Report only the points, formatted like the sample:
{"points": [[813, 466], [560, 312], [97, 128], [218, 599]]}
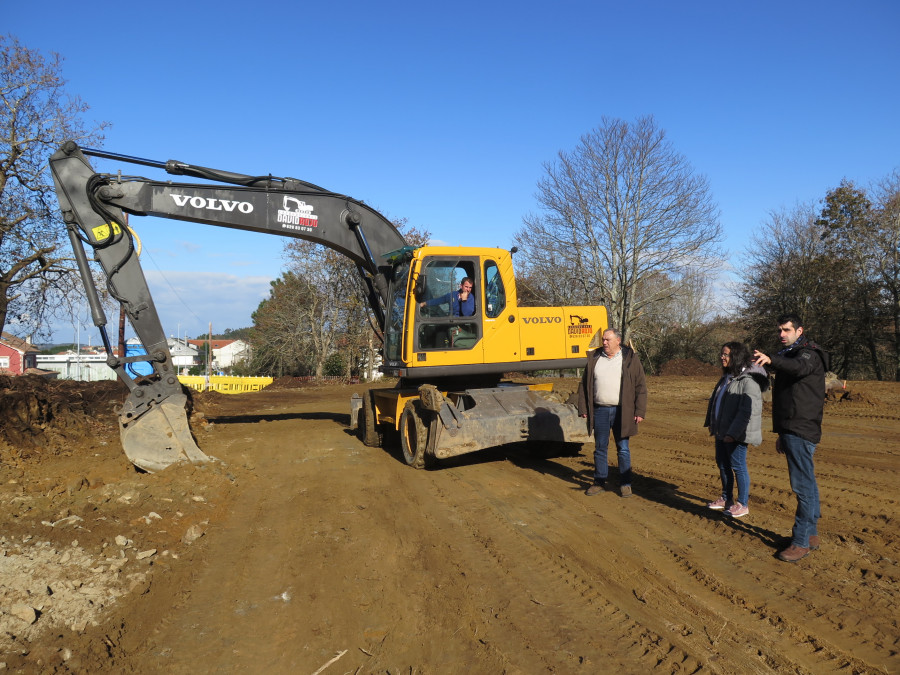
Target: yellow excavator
{"points": [[449, 317]]}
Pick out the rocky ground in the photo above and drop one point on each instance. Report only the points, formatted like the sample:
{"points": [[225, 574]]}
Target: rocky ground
{"points": [[300, 549]]}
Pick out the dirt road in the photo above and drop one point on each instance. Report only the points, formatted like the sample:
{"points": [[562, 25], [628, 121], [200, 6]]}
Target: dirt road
{"points": [[316, 547]]}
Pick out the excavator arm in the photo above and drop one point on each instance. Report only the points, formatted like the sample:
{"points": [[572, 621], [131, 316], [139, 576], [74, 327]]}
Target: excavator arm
{"points": [[153, 423]]}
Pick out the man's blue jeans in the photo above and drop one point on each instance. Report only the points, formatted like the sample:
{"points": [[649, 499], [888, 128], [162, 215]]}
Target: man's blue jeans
{"points": [[801, 471], [604, 422], [731, 458]]}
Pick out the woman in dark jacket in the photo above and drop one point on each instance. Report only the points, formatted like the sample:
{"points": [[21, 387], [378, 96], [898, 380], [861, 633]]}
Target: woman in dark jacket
{"points": [[734, 418]]}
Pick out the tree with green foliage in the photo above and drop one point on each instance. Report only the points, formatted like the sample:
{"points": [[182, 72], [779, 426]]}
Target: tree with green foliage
{"points": [[838, 266], [848, 228], [887, 259], [788, 268], [233, 334], [280, 342]]}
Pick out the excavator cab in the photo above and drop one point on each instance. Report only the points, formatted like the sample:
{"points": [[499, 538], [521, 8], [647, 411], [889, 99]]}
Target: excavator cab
{"points": [[427, 322], [433, 331], [426, 311]]}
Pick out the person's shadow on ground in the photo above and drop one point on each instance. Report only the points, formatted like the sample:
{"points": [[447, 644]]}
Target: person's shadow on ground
{"points": [[644, 487]]}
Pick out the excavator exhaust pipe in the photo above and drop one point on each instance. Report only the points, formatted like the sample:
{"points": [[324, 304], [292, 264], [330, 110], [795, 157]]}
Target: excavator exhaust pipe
{"points": [[160, 436]]}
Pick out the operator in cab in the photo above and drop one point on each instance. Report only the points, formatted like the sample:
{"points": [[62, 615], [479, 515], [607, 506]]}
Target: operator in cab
{"points": [[462, 302]]}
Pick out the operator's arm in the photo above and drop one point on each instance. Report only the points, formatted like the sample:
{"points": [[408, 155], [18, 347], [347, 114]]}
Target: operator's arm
{"points": [[440, 300], [466, 306]]}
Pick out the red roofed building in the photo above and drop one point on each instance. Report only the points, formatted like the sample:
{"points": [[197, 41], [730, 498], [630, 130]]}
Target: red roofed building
{"points": [[17, 356], [216, 344]]}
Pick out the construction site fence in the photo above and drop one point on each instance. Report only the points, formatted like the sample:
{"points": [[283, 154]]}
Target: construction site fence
{"points": [[225, 384], [239, 385]]}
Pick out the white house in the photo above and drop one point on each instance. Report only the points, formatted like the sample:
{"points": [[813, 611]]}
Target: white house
{"points": [[184, 354], [234, 352], [225, 353]]}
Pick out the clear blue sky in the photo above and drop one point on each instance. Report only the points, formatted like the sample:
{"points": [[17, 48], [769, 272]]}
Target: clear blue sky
{"points": [[445, 114]]}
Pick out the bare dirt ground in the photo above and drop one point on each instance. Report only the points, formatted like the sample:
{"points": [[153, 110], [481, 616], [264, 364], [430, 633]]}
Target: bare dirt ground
{"points": [[301, 546]]}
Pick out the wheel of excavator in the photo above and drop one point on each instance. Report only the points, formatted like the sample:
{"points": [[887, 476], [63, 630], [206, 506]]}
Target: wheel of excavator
{"points": [[367, 424], [413, 434]]}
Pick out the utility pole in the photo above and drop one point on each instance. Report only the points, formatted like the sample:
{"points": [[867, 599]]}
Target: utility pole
{"points": [[208, 354]]}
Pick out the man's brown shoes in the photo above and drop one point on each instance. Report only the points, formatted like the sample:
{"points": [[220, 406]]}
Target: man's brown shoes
{"points": [[793, 553]]}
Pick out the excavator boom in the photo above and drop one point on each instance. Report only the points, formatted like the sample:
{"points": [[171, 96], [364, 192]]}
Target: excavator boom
{"points": [[153, 424]]}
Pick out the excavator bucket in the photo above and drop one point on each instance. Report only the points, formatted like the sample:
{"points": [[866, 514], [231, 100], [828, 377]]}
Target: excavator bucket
{"points": [[161, 436]]}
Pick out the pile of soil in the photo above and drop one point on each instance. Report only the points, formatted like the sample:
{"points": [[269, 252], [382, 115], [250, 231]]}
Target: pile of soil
{"points": [[689, 368], [847, 396], [42, 415], [205, 402]]}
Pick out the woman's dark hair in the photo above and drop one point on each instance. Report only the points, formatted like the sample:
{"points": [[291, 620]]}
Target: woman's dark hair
{"points": [[740, 358]]}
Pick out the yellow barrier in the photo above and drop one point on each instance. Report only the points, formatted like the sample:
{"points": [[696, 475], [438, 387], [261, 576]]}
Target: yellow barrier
{"points": [[225, 385]]}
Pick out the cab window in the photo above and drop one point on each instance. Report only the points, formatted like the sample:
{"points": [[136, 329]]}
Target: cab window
{"points": [[447, 294], [494, 292]]}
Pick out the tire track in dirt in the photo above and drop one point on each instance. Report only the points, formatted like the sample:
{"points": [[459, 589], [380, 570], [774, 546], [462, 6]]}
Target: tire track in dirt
{"points": [[615, 564], [714, 551], [838, 638], [348, 568], [770, 489], [850, 485], [529, 562], [223, 607], [497, 562]]}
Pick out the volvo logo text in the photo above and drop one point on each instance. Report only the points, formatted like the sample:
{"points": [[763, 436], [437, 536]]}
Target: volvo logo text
{"points": [[542, 319], [212, 204]]}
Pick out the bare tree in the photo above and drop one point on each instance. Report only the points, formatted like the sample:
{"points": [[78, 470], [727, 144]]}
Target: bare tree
{"points": [[622, 208], [789, 268], [329, 293], [680, 327], [36, 117]]}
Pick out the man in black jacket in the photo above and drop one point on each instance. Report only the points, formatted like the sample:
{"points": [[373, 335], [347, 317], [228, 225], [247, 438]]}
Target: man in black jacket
{"points": [[798, 402]]}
